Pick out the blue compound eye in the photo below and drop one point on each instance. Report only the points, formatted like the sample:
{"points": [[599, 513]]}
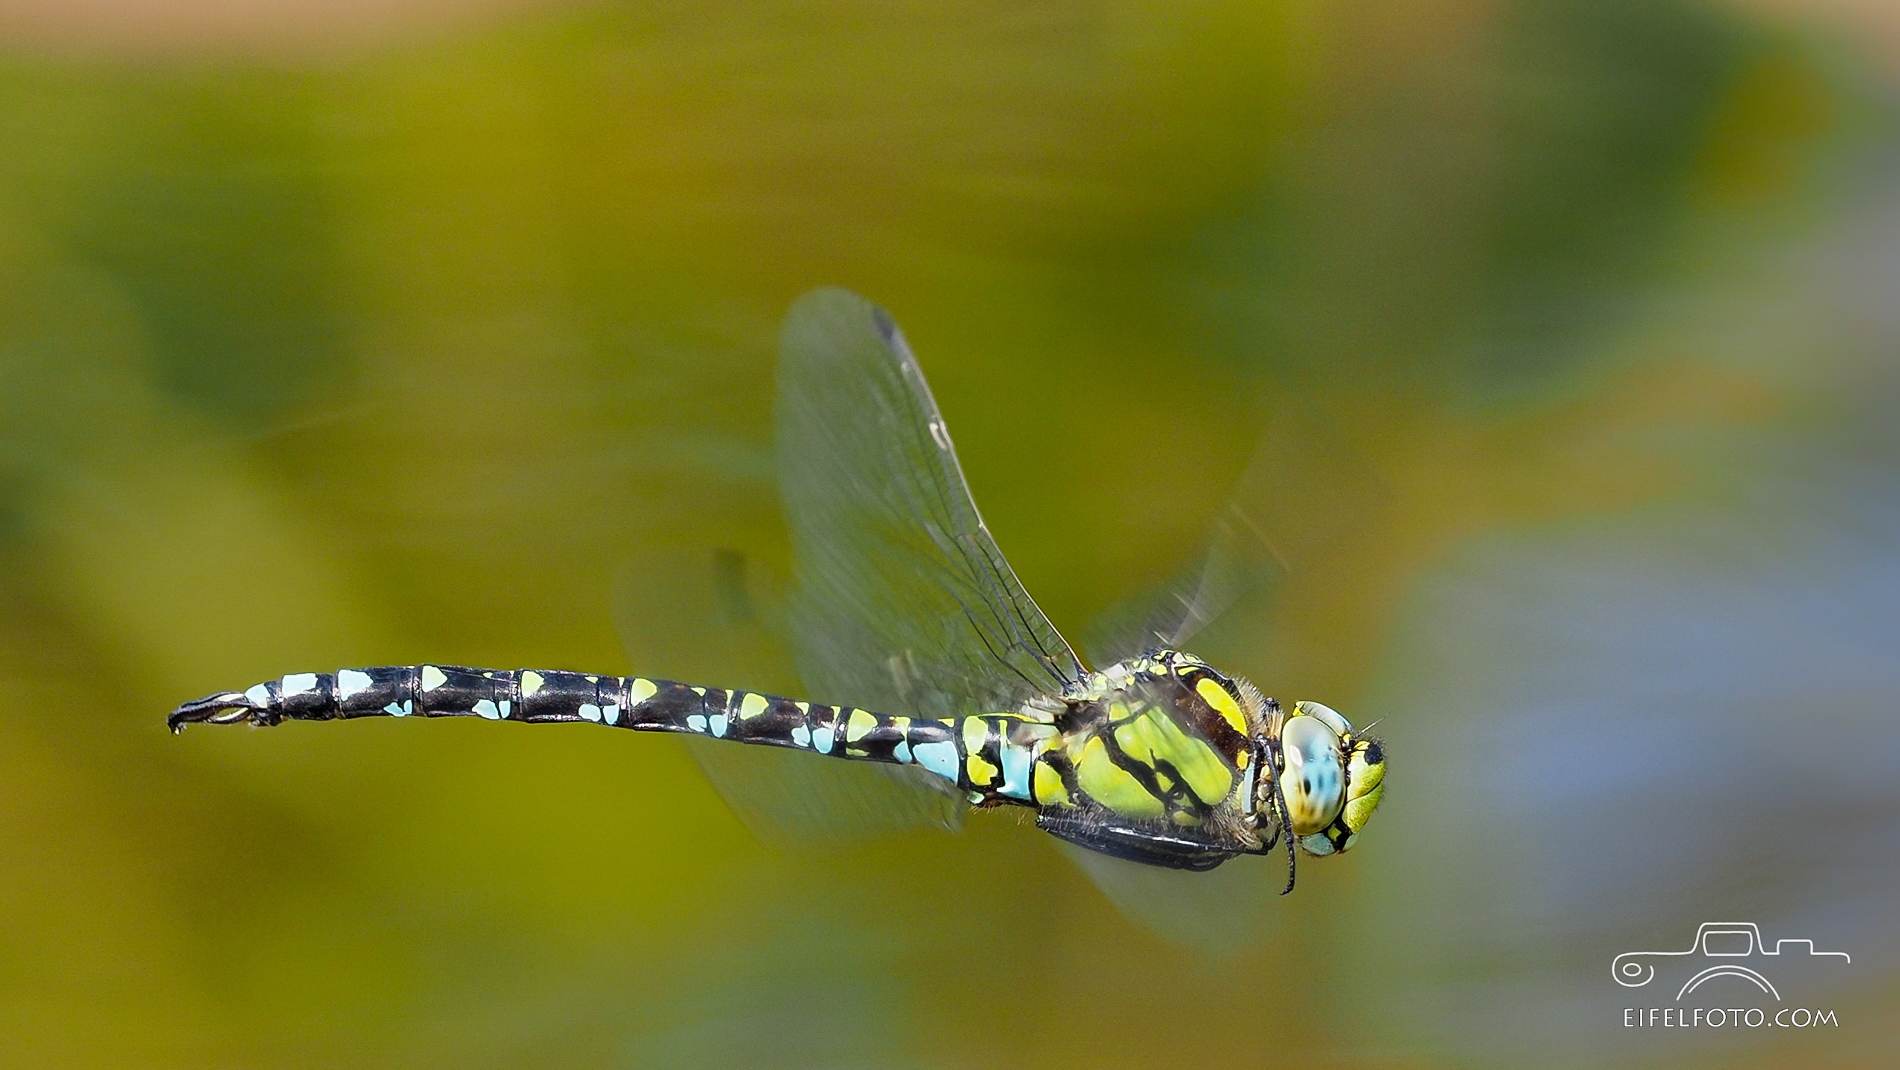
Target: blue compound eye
{"points": [[1340, 726], [1314, 780]]}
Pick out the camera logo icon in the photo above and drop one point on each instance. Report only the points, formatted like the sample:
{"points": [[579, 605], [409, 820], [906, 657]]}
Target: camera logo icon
{"points": [[1735, 947]]}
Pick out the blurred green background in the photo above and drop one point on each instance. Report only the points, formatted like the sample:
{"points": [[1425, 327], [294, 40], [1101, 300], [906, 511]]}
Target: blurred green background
{"points": [[1564, 333]]}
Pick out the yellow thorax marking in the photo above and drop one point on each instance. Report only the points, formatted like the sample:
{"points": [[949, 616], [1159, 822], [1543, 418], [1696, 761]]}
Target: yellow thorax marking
{"points": [[1111, 785], [1154, 737], [1050, 790], [1223, 703]]}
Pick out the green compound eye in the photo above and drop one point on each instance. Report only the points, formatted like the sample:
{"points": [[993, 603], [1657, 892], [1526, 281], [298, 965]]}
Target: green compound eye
{"points": [[1314, 780]]}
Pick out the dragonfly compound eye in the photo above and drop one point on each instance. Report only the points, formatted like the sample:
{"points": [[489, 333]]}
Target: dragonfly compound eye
{"points": [[1314, 780]]}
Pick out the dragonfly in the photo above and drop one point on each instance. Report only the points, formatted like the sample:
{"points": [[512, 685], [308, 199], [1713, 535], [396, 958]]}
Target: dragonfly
{"points": [[931, 657]]}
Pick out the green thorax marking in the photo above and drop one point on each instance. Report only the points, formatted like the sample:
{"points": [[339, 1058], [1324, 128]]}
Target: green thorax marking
{"points": [[1143, 741]]}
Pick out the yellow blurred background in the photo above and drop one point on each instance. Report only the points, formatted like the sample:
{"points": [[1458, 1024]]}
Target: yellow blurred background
{"points": [[1560, 336]]}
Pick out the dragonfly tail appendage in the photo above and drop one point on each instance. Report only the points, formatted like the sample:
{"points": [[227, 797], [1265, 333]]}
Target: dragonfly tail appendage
{"points": [[225, 707]]}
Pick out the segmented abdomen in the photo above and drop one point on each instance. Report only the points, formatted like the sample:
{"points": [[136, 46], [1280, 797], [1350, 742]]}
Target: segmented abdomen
{"points": [[988, 756]]}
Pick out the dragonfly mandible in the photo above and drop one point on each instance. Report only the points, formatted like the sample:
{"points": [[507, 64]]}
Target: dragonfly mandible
{"points": [[904, 604]]}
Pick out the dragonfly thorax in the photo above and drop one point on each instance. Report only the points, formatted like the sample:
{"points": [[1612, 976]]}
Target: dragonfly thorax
{"points": [[1163, 748], [1155, 761]]}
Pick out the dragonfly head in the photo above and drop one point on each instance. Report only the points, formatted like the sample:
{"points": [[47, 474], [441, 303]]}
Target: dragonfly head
{"points": [[1330, 779]]}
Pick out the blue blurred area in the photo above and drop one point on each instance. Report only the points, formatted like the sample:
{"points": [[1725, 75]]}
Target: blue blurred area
{"points": [[1677, 715]]}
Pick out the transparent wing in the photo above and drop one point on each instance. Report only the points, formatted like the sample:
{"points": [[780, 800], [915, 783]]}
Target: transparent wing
{"points": [[1238, 569], [902, 601], [700, 613], [1227, 589], [1221, 913], [784, 795]]}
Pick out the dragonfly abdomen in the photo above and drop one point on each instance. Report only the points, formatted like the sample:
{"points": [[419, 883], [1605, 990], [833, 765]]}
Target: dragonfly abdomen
{"points": [[988, 757], [541, 696], [427, 691]]}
